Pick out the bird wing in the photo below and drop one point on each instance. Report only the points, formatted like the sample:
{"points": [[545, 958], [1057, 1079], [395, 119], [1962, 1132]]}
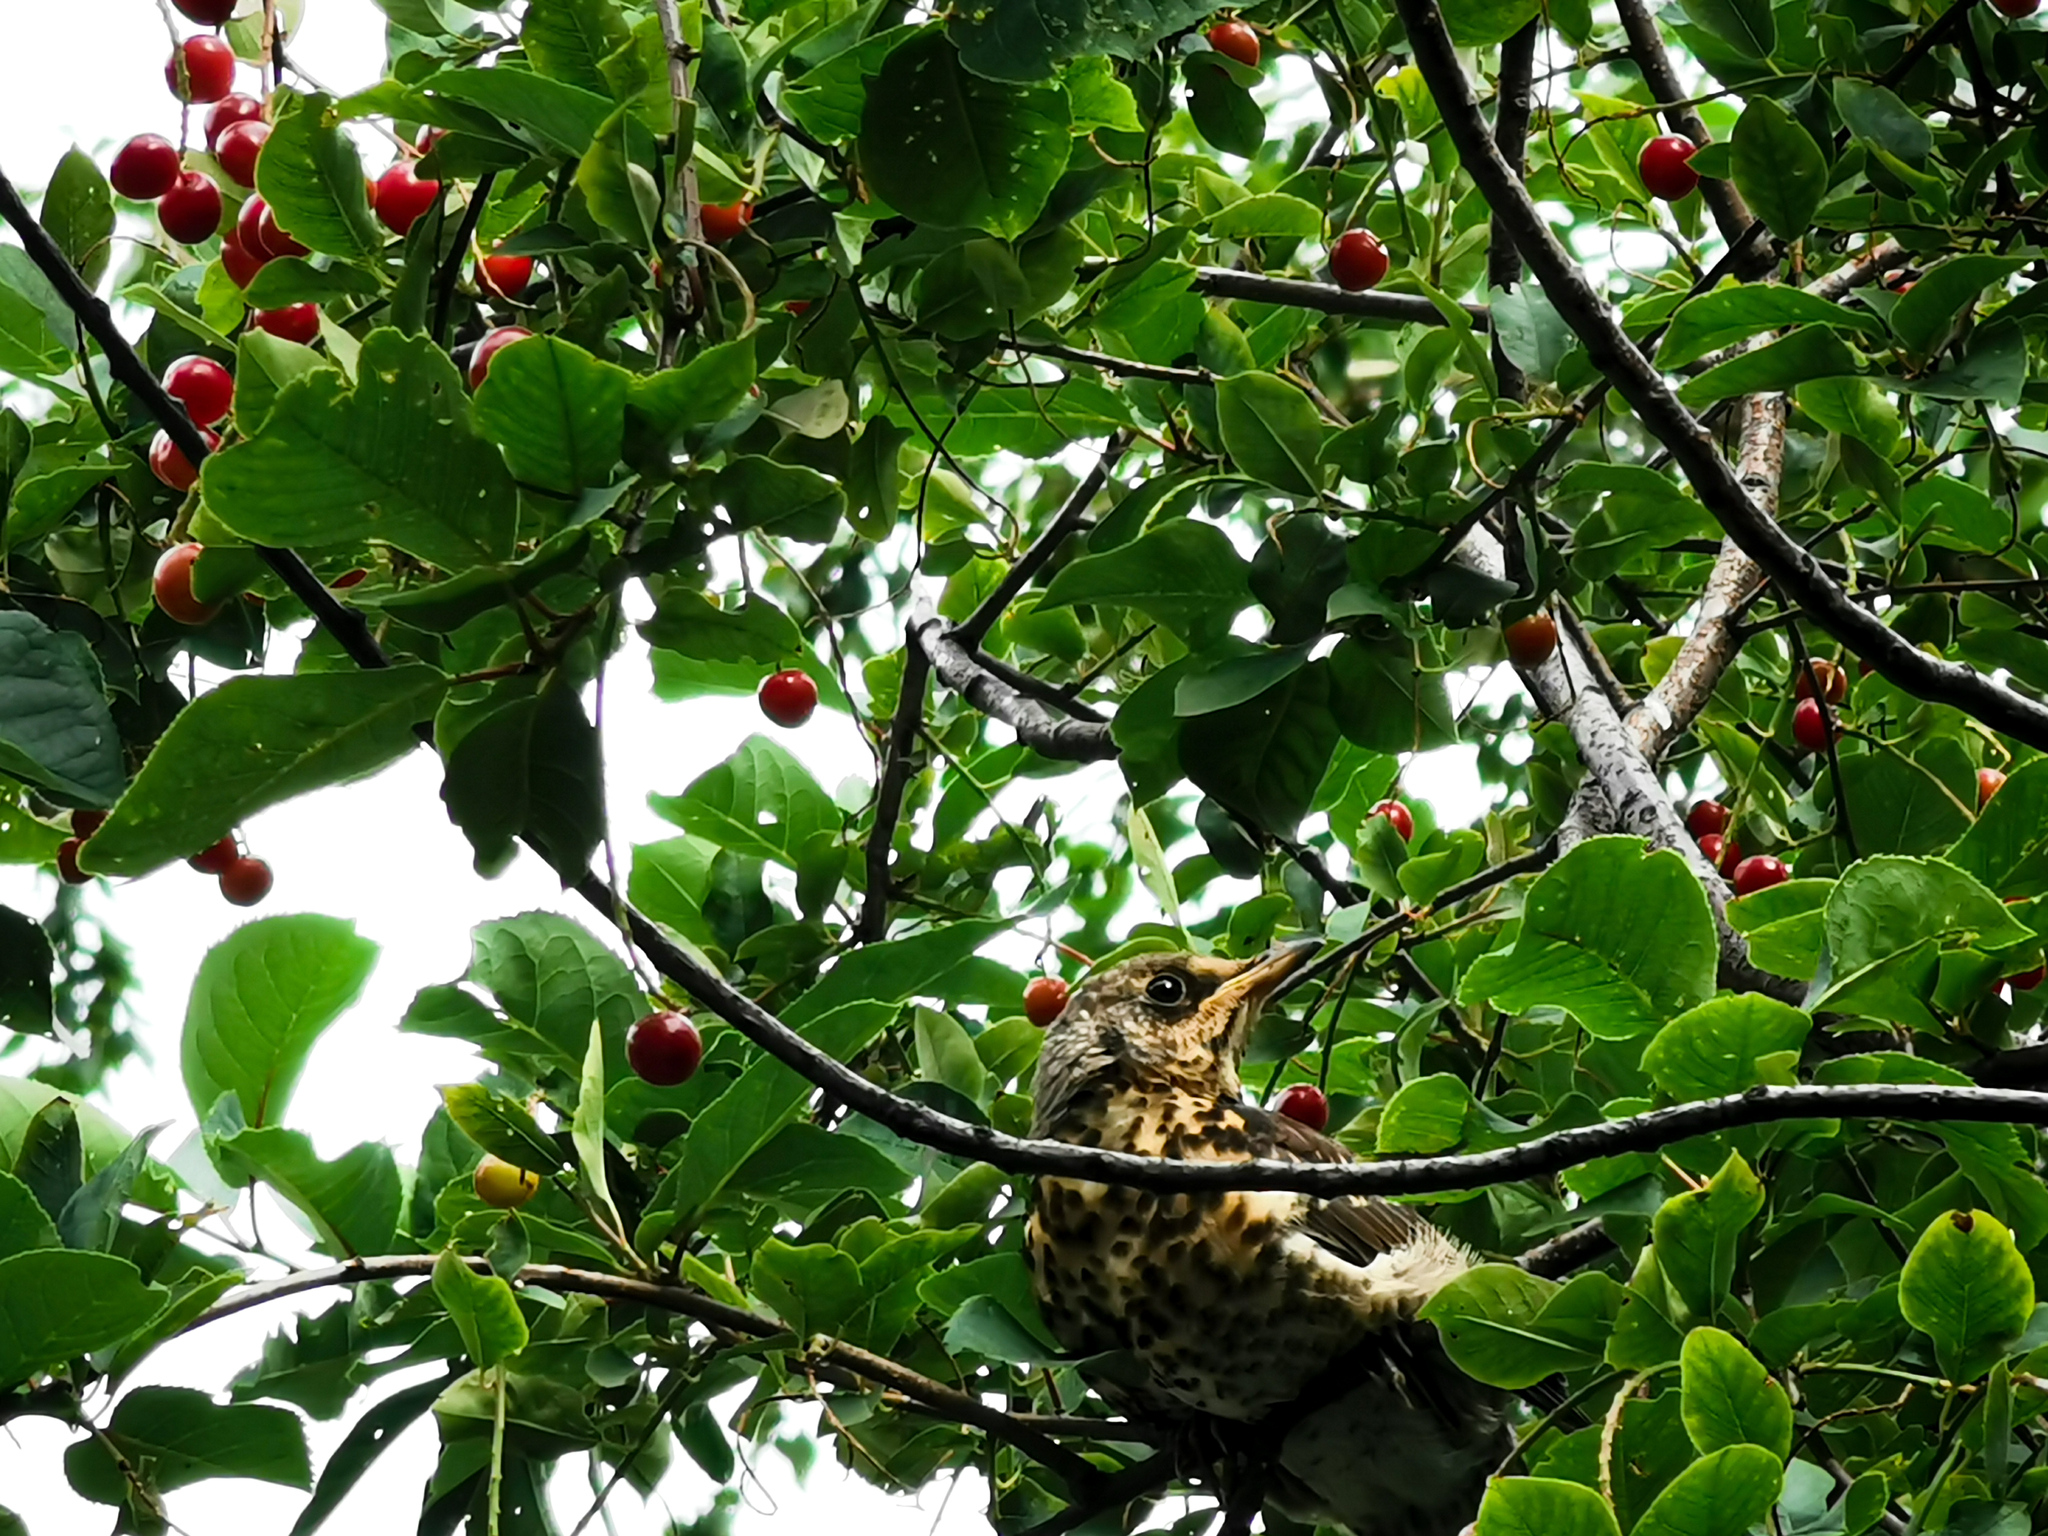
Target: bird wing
{"points": [[1356, 1228]]}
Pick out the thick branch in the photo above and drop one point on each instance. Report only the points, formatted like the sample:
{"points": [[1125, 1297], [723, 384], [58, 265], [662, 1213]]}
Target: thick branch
{"points": [[1646, 46], [1511, 108], [1598, 326], [1038, 727], [874, 911], [1400, 308], [1569, 1250]]}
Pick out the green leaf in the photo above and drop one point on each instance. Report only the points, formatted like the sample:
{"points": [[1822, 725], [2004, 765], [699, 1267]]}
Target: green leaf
{"points": [[706, 389], [761, 493], [1811, 352], [1876, 115], [78, 212], [1584, 948], [1854, 407], [1267, 214], [1724, 1493], [1779, 169], [1185, 574], [256, 742], [567, 40], [1747, 26], [954, 150], [56, 1303], [1886, 919], [557, 412], [352, 1202], [1733, 313], [56, 731], [760, 802], [483, 1309], [312, 178], [1543, 1506], [557, 116], [532, 769], [2006, 848], [621, 193], [24, 1224], [1224, 110], [294, 280], [1265, 757], [366, 1440], [1489, 1320], [183, 1436], [26, 965], [393, 459], [1026, 39], [1386, 700], [91, 1218], [586, 1129], [552, 976], [263, 996], [814, 1288], [1966, 1286], [502, 1127], [264, 364], [1696, 1233], [1720, 1046], [1925, 312], [1271, 431], [1729, 1399]]}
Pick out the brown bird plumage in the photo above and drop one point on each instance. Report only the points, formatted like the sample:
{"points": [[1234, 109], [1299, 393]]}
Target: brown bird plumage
{"points": [[1270, 1309]]}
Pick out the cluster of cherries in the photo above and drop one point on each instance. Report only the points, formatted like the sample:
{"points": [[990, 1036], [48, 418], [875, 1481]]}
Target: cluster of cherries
{"points": [[243, 880]]}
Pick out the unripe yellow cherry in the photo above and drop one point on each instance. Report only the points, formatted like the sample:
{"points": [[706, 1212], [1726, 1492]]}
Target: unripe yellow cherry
{"points": [[504, 1185]]}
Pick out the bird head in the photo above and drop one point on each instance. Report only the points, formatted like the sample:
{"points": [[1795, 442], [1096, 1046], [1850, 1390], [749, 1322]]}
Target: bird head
{"points": [[1161, 1019]]}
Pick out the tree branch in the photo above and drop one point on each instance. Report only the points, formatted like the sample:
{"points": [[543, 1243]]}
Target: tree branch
{"points": [[1597, 325], [1511, 110], [1027, 565], [874, 910], [1400, 308], [1646, 46], [1037, 726]]}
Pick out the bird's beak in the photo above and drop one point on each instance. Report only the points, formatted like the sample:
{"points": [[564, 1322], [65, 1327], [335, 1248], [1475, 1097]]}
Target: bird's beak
{"points": [[1256, 982]]}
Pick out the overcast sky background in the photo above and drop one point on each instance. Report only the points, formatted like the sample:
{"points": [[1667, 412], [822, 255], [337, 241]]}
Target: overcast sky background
{"points": [[383, 854]]}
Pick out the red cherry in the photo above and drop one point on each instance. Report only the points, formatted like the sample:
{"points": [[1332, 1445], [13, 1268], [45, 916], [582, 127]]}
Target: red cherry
{"points": [[1759, 874], [208, 13], [1833, 681], [1713, 845], [84, 823], [1532, 640], [401, 198], [1358, 261], [1989, 782], [664, 1049], [2017, 8], [798, 307], [237, 151], [145, 168], [245, 882], [1398, 816], [348, 579], [227, 112], [241, 266], [67, 862], [505, 277], [172, 585], [788, 698], [1809, 729], [204, 387], [1045, 998], [2026, 981], [1707, 816], [272, 237], [493, 343], [1666, 169], [216, 857], [295, 322], [190, 211], [1235, 40], [168, 463], [723, 221], [209, 69], [1306, 1103]]}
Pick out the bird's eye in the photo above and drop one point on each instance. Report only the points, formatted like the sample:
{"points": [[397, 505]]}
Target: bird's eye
{"points": [[1167, 988]]}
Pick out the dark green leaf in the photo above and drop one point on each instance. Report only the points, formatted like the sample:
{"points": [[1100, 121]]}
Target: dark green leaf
{"points": [[531, 770], [55, 728], [1778, 167], [56, 1303], [312, 178], [484, 1311]]}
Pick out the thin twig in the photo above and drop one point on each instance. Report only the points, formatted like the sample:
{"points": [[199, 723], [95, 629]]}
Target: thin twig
{"points": [[896, 770]]}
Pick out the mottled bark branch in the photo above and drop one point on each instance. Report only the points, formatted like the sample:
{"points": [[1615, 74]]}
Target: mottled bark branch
{"points": [[1039, 727]]}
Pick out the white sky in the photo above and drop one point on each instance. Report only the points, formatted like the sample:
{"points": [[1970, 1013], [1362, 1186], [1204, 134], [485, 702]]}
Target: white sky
{"points": [[383, 854]]}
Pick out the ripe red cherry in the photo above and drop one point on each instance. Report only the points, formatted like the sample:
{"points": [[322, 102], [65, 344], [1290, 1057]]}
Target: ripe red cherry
{"points": [[1235, 40], [1833, 681], [2026, 981], [208, 13], [1666, 167], [1989, 782], [402, 197], [241, 266], [214, 858], [168, 463], [246, 881], [798, 307], [1532, 640], [209, 69], [723, 221], [1720, 853], [492, 344], [1809, 729], [172, 585], [1759, 874], [256, 227], [238, 149], [1398, 816], [664, 1049], [788, 698], [1306, 1103], [295, 322], [227, 112], [1358, 261], [1045, 998], [145, 167], [67, 862], [84, 823], [190, 211], [505, 277], [1707, 816], [2017, 8], [204, 387]]}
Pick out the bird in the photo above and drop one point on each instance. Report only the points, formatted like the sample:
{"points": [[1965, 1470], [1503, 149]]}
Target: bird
{"points": [[1270, 1319]]}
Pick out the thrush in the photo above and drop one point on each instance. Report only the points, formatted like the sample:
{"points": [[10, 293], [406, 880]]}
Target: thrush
{"points": [[1290, 1315]]}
